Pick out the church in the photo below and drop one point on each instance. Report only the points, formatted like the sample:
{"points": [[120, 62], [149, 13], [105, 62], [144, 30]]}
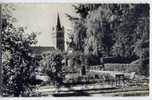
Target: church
{"points": [[60, 42], [59, 30]]}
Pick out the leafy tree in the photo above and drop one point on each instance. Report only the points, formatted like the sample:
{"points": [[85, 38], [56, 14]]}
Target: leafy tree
{"points": [[142, 44], [118, 30], [79, 30], [126, 28], [95, 22], [17, 60], [132, 33], [99, 33], [79, 35], [84, 9], [53, 67]]}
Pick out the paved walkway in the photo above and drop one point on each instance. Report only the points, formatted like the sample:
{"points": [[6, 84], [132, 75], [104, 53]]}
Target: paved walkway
{"points": [[92, 90]]}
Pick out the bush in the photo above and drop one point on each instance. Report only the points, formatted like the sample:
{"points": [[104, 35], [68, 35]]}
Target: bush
{"points": [[53, 67]]}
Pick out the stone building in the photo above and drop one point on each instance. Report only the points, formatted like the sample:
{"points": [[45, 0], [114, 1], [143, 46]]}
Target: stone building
{"points": [[59, 30]]}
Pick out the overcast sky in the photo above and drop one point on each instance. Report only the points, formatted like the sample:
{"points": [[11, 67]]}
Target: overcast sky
{"points": [[41, 18]]}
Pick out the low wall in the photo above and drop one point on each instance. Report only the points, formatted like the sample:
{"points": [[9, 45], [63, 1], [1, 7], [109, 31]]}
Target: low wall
{"points": [[119, 67]]}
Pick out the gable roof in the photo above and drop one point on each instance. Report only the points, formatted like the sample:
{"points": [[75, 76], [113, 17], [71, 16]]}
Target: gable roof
{"points": [[41, 49]]}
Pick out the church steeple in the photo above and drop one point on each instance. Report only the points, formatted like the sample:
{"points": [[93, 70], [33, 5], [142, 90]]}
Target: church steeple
{"points": [[58, 22], [59, 35]]}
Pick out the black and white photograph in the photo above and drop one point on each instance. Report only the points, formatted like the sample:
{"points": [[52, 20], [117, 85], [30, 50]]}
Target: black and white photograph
{"points": [[74, 49]]}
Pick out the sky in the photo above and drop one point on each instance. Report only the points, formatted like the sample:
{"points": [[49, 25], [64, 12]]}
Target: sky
{"points": [[42, 18]]}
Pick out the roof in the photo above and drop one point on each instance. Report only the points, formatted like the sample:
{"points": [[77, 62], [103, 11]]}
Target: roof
{"points": [[58, 22], [42, 49]]}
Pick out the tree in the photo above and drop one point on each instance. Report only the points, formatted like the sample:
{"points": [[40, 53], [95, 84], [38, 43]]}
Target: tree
{"points": [[113, 29], [126, 28], [142, 45], [53, 67], [79, 35], [84, 9], [17, 59], [99, 33], [92, 30]]}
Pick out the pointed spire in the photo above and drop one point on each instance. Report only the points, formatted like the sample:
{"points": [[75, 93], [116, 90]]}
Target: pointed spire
{"points": [[58, 22]]}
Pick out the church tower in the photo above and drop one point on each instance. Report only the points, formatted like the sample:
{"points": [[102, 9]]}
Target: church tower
{"points": [[59, 35]]}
